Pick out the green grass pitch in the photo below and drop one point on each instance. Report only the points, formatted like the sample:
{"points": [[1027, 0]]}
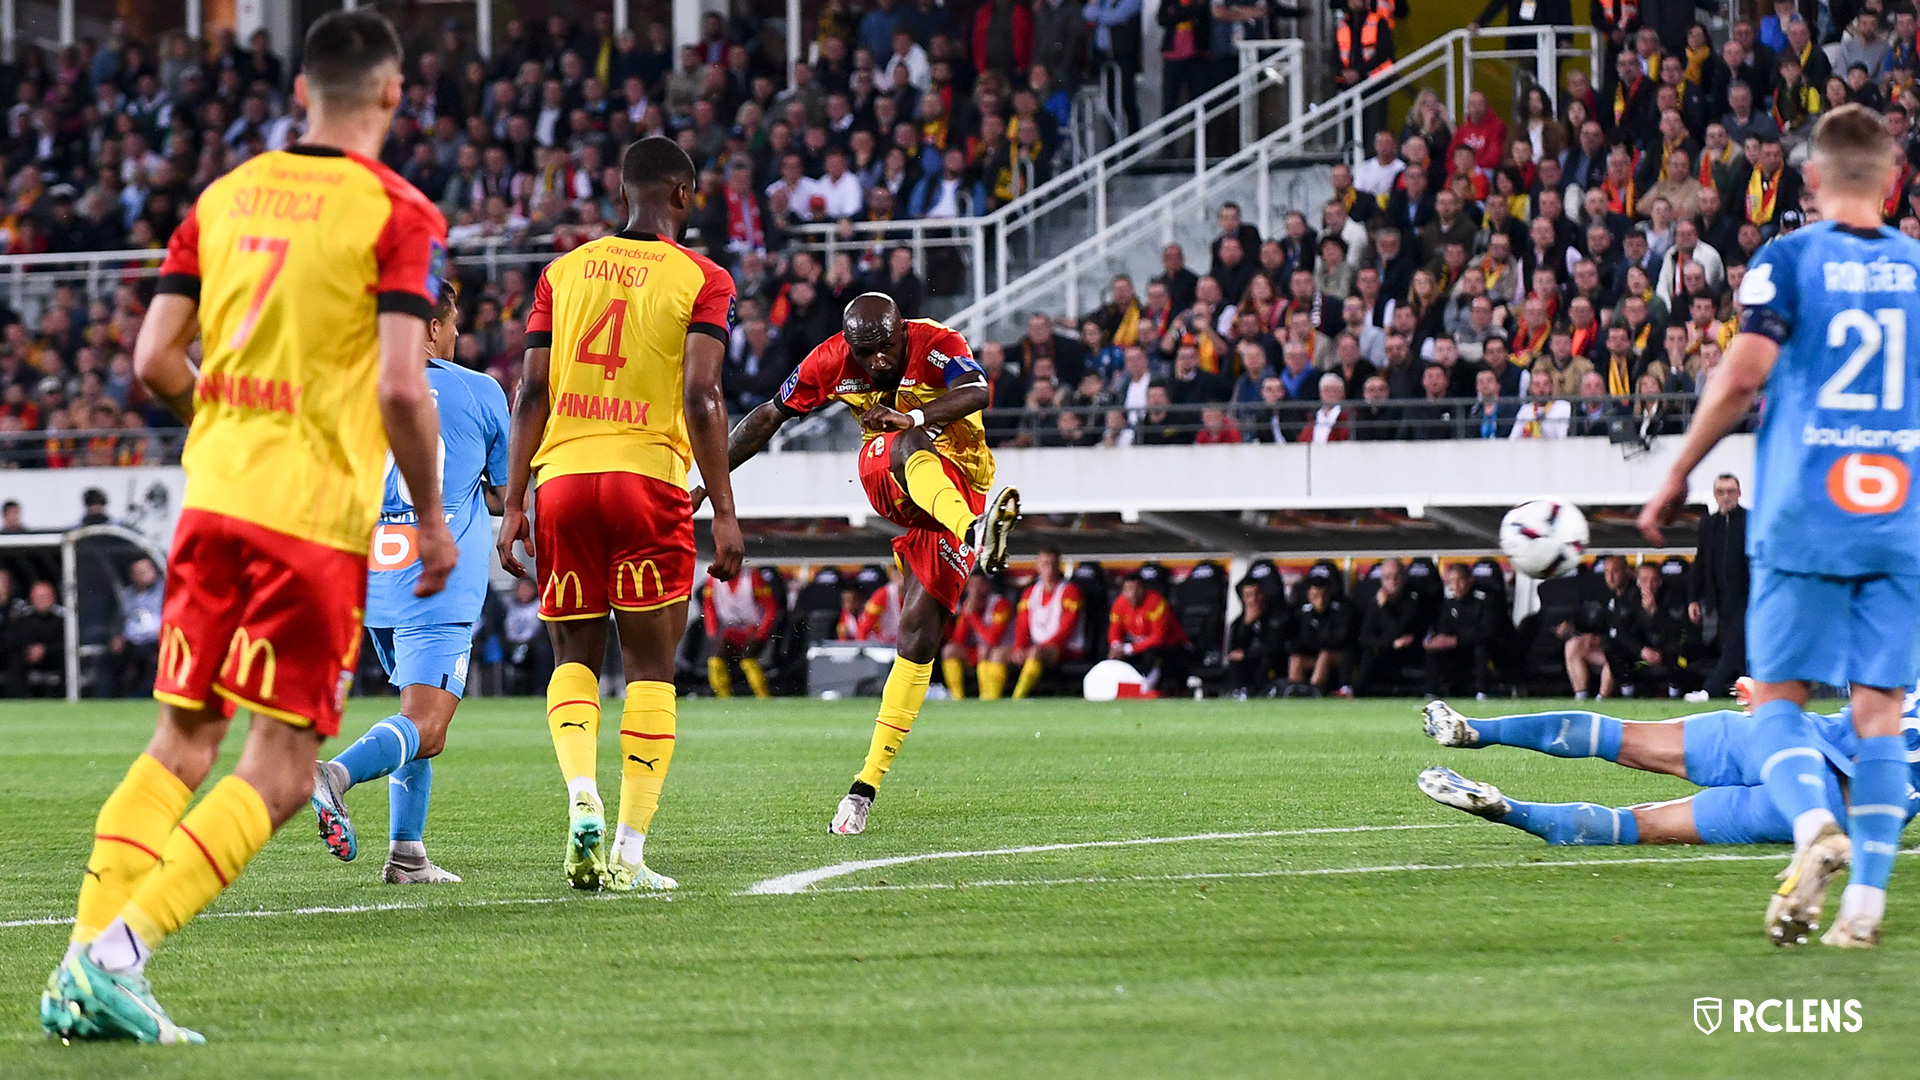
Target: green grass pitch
{"points": [[1197, 958]]}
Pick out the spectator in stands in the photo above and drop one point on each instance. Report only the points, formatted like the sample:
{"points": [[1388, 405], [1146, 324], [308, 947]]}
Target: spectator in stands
{"points": [[1376, 418], [1256, 646], [1186, 43], [1488, 416], [529, 653], [1391, 631], [1329, 422], [10, 517], [1363, 47], [1181, 283], [36, 646], [1586, 635], [1541, 415], [1190, 385], [1048, 624], [1717, 586], [1143, 630], [136, 648], [1323, 630], [1644, 642]]}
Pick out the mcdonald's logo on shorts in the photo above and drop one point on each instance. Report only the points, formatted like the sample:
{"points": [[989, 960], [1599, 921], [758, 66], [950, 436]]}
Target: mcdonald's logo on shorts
{"points": [[242, 653], [638, 573], [176, 656], [554, 596]]}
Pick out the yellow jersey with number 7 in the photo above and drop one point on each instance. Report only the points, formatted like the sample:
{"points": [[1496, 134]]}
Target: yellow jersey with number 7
{"points": [[615, 314], [292, 257]]}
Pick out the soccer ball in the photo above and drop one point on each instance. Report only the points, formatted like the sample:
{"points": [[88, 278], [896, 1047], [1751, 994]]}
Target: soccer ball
{"points": [[1544, 538]]}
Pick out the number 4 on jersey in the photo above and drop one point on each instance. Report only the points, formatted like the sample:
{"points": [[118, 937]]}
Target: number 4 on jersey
{"points": [[614, 322]]}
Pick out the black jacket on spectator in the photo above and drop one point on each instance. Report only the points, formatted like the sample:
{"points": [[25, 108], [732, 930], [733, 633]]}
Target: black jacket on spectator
{"points": [[1373, 422], [1426, 419], [1181, 287], [1410, 215], [1314, 631], [1203, 388], [1720, 578], [46, 629], [1469, 620], [1263, 643]]}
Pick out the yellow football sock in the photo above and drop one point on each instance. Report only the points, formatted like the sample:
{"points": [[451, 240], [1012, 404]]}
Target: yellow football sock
{"points": [[646, 749], [1030, 673], [756, 676], [900, 703], [203, 856], [719, 677], [573, 718], [133, 825], [954, 674], [993, 679], [933, 490]]}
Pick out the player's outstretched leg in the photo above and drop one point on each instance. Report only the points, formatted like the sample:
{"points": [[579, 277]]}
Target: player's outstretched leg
{"points": [[387, 746], [1556, 823], [1571, 734], [573, 719], [647, 728]]}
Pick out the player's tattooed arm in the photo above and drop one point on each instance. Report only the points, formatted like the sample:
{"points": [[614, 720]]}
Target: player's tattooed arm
{"points": [[160, 353], [749, 437], [530, 410]]}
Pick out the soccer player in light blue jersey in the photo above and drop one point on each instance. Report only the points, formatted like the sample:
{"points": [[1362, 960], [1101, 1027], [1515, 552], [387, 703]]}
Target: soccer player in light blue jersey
{"points": [[423, 643], [1717, 750], [1834, 536]]}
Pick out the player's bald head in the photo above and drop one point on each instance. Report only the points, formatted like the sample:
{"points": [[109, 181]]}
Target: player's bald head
{"points": [[870, 321]]}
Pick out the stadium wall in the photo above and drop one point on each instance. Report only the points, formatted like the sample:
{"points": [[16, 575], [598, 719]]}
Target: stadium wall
{"points": [[1128, 480]]}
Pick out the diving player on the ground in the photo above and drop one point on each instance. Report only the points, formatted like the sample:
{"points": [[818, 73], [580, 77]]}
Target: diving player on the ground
{"points": [[1835, 532], [620, 392], [1716, 750], [423, 644], [925, 466]]}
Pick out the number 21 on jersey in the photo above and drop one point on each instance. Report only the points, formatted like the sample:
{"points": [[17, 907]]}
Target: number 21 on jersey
{"points": [[1868, 483]]}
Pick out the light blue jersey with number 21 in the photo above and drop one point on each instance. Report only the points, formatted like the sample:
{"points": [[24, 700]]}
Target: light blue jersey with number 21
{"points": [[1839, 441]]}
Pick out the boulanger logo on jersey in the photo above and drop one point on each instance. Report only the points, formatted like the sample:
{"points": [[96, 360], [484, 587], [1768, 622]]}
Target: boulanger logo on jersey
{"points": [[1799, 1016]]}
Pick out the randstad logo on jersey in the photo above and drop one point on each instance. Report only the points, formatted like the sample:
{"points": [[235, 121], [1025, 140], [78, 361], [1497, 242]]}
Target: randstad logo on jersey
{"points": [[1880, 275], [1800, 1016]]}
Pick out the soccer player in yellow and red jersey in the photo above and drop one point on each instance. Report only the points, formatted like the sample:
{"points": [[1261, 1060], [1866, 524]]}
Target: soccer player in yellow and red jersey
{"points": [[621, 391], [925, 465], [309, 274]]}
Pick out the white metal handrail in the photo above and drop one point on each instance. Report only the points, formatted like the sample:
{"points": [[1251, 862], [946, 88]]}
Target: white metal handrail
{"points": [[1452, 55]]}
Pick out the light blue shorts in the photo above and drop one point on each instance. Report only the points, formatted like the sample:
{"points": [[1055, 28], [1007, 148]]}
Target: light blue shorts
{"points": [[434, 655], [1833, 630], [1735, 808]]}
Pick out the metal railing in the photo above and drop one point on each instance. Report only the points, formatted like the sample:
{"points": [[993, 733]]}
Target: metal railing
{"points": [[84, 447], [1337, 125], [1633, 421], [1178, 139]]}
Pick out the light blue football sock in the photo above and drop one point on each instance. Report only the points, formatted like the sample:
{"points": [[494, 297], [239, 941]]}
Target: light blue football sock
{"points": [[1562, 734], [1879, 812], [385, 747], [409, 789], [1574, 823], [1792, 769]]}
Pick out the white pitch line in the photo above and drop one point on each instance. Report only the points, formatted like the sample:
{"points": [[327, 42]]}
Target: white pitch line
{"points": [[351, 909], [1400, 868], [804, 880]]}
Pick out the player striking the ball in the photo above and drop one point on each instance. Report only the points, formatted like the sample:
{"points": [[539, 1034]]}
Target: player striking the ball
{"points": [[1717, 750], [621, 390], [925, 465], [423, 644], [1834, 535], [309, 274]]}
